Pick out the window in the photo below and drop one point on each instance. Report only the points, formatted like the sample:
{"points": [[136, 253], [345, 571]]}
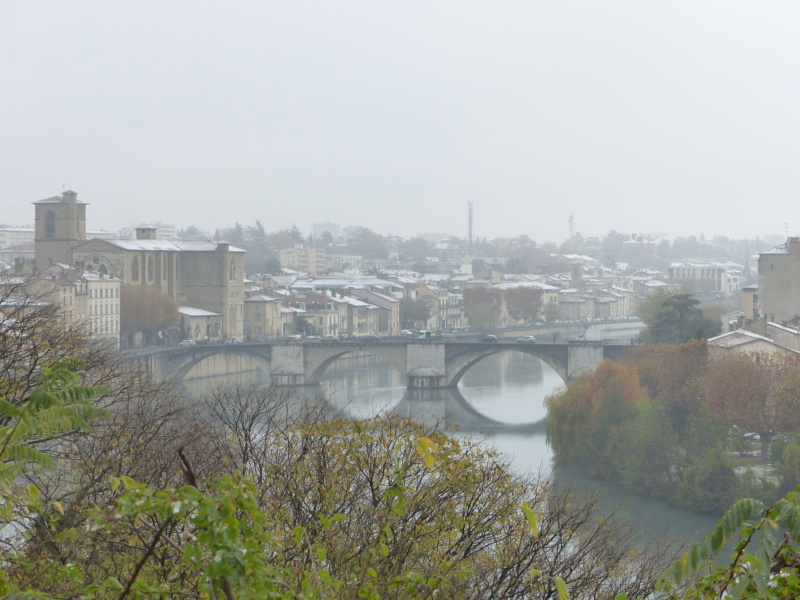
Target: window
{"points": [[135, 269], [50, 223]]}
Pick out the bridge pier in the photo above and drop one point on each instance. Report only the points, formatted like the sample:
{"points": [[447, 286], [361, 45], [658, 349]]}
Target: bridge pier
{"points": [[426, 366], [583, 357], [288, 365]]}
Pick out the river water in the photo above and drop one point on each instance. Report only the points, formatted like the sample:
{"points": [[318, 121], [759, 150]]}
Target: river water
{"points": [[501, 399]]}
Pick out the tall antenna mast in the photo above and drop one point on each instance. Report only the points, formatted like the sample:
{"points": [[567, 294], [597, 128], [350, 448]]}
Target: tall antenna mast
{"points": [[571, 229], [469, 229]]}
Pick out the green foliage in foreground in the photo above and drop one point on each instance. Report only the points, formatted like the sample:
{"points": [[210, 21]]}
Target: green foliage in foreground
{"points": [[765, 558], [347, 509], [220, 542], [59, 405]]}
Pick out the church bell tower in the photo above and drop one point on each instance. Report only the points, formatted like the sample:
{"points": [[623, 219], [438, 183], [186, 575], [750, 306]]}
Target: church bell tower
{"points": [[60, 226]]}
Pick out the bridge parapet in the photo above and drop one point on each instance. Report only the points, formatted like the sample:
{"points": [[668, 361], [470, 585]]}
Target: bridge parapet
{"points": [[428, 364]]}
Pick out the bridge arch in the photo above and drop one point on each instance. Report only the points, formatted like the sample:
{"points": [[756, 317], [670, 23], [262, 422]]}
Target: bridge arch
{"points": [[459, 363], [320, 357], [218, 360]]}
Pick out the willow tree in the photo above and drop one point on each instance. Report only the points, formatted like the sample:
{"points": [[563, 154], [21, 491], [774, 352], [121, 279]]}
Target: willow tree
{"points": [[586, 421]]}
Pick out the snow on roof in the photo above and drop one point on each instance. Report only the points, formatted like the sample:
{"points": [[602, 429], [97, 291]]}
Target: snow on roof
{"points": [[785, 328], [780, 249], [737, 338], [260, 298], [536, 285], [169, 245], [191, 311]]}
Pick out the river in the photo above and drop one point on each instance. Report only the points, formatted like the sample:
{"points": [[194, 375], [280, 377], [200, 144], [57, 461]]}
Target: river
{"points": [[501, 399], [508, 389]]}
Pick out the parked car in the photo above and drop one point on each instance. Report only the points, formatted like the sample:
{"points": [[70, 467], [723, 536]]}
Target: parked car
{"points": [[185, 343], [313, 338], [290, 338], [489, 338], [231, 341], [526, 339]]}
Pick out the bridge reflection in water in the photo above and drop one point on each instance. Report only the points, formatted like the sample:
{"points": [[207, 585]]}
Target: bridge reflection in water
{"points": [[501, 396], [503, 392]]}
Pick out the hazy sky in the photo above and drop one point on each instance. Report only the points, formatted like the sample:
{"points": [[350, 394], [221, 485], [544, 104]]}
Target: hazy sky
{"points": [[680, 117]]}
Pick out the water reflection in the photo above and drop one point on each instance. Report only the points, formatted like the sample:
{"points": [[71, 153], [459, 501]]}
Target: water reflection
{"points": [[510, 387], [500, 399]]}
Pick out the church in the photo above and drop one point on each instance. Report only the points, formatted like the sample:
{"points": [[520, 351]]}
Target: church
{"points": [[197, 274]]}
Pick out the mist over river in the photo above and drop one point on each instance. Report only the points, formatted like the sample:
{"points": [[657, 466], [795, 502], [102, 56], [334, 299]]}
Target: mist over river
{"points": [[501, 399]]}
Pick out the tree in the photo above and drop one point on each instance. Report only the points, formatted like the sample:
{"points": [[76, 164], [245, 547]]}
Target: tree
{"points": [[482, 306], [34, 335], [585, 421], [523, 303], [414, 311], [272, 266], [296, 235], [366, 242], [421, 512], [190, 233], [653, 304], [552, 313], [764, 560], [235, 235], [144, 308], [679, 320], [416, 247], [759, 393], [674, 373], [281, 240]]}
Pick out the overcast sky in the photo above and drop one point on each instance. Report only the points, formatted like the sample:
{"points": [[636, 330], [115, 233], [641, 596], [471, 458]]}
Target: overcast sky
{"points": [[680, 117]]}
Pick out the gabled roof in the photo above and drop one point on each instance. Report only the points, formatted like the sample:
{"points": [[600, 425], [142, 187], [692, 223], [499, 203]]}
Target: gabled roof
{"points": [[738, 338], [191, 311], [165, 245]]}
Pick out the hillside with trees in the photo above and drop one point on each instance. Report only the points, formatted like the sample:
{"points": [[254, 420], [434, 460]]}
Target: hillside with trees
{"points": [[674, 422], [114, 486]]}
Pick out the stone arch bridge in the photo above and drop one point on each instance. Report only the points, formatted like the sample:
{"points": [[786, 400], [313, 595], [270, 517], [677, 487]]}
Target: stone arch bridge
{"points": [[426, 363]]}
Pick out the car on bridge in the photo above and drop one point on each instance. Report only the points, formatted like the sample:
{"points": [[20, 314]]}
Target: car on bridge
{"points": [[186, 343], [231, 341], [371, 338], [330, 338], [526, 339], [489, 338]]}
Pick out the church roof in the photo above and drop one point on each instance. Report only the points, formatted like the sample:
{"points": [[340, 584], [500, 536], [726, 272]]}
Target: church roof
{"points": [[56, 200], [168, 245]]}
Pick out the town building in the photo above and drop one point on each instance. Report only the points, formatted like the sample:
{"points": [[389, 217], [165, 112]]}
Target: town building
{"points": [[306, 260], [779, 282], [719, 278], [85, 298], [746, 342], [200, 274]]}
